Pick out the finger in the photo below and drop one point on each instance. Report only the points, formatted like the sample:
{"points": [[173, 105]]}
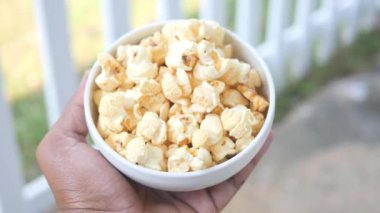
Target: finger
{"points": [[72, 121], [222, 193]]}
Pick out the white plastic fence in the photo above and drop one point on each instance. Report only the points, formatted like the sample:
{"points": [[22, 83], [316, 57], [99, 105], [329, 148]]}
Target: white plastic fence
{"points": [[284, 44]]}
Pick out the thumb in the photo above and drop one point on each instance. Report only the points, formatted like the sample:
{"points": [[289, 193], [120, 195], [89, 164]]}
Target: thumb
{"points": [[72, 121]]}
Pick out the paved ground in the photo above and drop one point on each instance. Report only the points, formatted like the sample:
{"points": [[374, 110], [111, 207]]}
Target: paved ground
{"points": [[325, 156]]}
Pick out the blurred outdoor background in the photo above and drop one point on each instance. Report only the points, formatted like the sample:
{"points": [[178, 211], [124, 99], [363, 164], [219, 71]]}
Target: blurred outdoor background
{"points": [[325, 155]]}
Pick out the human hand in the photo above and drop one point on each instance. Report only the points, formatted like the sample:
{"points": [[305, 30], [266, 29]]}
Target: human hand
{"points": [[82, 180]]}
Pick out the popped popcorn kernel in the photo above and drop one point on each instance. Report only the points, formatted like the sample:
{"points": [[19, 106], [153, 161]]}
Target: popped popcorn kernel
{"points": [[111, 113], [238, 121], [242, 143], [98, 95], [232, 97], [205, 98], [201, 160], [181, 128], [112, 73], [149, 87], [152, 128], [156, 45], [258, 103], [180, 160], [260, 122], [155, 158], [222, 149], [213, 126], [139, 64], [136, 151], [181, 55], [119, 141], [199, 138], [171, 88]]}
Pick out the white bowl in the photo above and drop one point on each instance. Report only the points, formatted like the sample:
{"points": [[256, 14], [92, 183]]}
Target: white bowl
{"points": [[190, 180]]}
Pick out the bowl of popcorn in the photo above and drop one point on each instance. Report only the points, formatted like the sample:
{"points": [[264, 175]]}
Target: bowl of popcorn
{"points": [[179, 106]]}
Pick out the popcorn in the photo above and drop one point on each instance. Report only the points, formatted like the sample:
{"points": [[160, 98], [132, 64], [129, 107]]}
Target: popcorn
{"points": [[111, 113], [138, 111], [131, 98], [153, 103], [242, 143], [108, 126], [119, 141], [199, 138], [184, 82], [155, 158], [175, 109], [170, 87], [130, 121], [260, 121], [202, 159], [178, 101], [137, 151], [181, 128], [232, 97], [187, 31], [112, 73], [152, 128], [164, 111], [238, 121], [207, 52], [211, 31], [254, 79], [212, 125], [157, 47], [247, 92], [180, 160], [98, 95], [181, 55], [258, 103], [205, 98], [234, 71], [171, 149], [149, 87], [209, 66], [139, 64], [223, 149]]}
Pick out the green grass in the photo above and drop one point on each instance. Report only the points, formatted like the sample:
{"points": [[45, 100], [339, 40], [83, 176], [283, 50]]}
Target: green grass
{"points": [[31, 125]]}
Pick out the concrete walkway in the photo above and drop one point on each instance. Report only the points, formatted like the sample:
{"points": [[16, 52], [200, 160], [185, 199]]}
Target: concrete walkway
{"points": [[325, 156]]}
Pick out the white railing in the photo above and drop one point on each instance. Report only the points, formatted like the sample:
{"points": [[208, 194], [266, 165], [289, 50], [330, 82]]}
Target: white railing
{"points": [[283, 43]]}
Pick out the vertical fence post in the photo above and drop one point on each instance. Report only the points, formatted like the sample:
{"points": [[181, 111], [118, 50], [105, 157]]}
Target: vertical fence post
{"points": [[301, 58], [116, 19], [169, 9], [328, 27], [277, 20], [347, 18], [248, 20], [214, 10], [11, 181], [59, 74]]}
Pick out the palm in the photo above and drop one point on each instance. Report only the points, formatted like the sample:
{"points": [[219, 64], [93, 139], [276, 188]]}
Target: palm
{"points": [[81, 179]]}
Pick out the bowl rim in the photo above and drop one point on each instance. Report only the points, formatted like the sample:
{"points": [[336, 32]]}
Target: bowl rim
{"points": [[102, 145]]}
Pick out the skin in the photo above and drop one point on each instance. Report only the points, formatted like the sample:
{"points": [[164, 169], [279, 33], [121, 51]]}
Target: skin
{"points": [[83, 181]]}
